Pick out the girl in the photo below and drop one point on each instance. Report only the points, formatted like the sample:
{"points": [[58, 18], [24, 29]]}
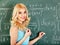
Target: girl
{"points": [[19, 33]]}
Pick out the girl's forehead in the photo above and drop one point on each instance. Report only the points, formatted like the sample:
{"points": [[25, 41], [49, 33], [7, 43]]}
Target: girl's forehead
{"points": [[21, 9]]}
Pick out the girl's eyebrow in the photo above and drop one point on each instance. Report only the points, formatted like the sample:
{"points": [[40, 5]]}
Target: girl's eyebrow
{"points": [[25, 11]]}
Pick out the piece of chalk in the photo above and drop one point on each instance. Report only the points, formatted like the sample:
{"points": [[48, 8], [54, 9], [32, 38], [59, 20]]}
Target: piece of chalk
{"points": [[44, 33]]}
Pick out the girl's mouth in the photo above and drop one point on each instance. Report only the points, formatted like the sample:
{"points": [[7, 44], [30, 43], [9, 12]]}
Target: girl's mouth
{"points": [[23, 17]]}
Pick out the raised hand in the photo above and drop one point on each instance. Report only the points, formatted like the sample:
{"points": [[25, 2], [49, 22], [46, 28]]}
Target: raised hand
{"points": [[28, 32], [41, 34]]}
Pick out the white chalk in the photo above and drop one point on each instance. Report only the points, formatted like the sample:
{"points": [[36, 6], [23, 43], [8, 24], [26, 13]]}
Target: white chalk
{"points": [[44, 33]]}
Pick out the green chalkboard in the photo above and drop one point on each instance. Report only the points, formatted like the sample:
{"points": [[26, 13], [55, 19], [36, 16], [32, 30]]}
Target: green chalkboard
{"points": [[45, 16]]}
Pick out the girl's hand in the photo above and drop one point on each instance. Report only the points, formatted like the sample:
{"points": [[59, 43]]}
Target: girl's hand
{"points": [[28, 32], [41, 34]]}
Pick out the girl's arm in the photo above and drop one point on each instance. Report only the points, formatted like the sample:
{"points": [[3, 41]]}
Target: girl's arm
{"points": [[36, 39], [13, 36]]}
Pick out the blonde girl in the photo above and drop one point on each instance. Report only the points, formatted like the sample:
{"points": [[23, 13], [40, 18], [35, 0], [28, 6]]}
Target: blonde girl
{"points": [[19, 33]]}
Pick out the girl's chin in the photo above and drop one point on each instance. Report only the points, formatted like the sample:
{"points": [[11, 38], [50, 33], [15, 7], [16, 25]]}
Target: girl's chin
{"points": [[22, 20]]}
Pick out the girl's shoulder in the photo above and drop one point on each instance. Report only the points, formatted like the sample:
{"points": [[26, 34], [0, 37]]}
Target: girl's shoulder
{"points": [[13, 30]]}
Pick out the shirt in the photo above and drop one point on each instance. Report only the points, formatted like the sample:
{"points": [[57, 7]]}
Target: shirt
{"points": [[21, 35]]}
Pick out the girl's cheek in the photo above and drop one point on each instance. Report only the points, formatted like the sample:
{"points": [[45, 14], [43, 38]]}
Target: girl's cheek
{"points": [[19, 15], [26, 15]]}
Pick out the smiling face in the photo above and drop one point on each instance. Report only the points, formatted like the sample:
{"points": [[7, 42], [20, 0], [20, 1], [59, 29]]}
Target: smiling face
{"points": [[22, 14]]}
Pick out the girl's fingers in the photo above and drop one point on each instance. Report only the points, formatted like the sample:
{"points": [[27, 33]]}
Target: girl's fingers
{"points": [[28, 30], [42, 33]]}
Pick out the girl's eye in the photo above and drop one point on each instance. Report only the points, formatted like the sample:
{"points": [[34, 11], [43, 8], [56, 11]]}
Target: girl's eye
{"points": [[19, 12], [24, 11]]}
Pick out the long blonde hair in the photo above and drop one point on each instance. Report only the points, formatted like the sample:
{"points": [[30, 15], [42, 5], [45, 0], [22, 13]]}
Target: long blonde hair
{"points": [[14, 17]]}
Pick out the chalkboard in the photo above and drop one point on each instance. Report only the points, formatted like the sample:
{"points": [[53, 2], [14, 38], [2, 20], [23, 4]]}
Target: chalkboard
{"points": [[45, 16]]}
